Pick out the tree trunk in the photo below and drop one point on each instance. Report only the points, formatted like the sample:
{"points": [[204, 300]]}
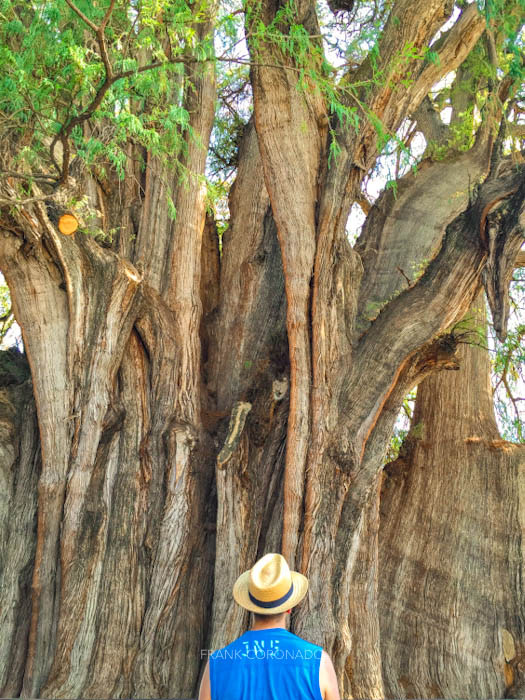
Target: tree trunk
{"points": [[450, 542], [20, 465], [249, 376], [130, 549], [198, 406], [123, 566]]}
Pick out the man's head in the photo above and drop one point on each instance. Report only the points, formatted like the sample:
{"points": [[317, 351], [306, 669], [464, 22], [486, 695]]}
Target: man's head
{"points": [[269, 587]]}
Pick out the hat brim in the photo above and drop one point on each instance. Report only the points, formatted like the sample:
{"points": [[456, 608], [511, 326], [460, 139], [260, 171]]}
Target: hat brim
{"points": [[241, 595]]}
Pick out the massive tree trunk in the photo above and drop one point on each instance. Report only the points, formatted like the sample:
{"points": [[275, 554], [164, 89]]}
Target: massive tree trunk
{"points": [[121, 575], [200, 403], [451, 598]]}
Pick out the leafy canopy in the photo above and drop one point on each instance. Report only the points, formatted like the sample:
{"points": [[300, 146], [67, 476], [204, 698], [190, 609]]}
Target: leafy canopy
{"points": [[93, 77], [58, 76]]}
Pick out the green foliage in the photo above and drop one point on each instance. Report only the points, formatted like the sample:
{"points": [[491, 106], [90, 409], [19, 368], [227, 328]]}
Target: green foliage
{"points": [[392, 185], [461, 137], [505, 19], [53, 73], [395, 445], [432, 56], [508, 366], [418, 269], [304, 56], [233, 110], [401, 428], [7, 318], [304, 53]]}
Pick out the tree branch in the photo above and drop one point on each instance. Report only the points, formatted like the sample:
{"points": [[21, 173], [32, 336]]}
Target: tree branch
{"points": [[513, 399], [21, 202], [456, 47], [82, 16], [107, 15], [65, 132], [439, 298], [28, 176], [359, 150]]}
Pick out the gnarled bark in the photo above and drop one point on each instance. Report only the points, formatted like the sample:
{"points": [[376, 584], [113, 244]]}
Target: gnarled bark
{"points": [[450, 549], [20, 466], [201, 404], [113, 342], [248, 364]]}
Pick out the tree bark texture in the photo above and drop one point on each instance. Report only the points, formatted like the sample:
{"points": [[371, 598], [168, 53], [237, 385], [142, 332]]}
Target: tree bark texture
{"points": [[202, 402], [20, 466], [450, 543]]}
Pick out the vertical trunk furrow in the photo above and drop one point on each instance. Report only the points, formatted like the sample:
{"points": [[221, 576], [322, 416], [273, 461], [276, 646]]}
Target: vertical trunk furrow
{"points": [[19, 472]]}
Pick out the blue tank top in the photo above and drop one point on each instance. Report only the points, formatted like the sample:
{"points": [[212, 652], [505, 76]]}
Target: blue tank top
{"points": [[271, 664]]}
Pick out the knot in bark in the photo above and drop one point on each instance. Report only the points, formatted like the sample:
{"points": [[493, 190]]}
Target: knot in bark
{"points": [[439, 354], [345, 456], [237, 421]]}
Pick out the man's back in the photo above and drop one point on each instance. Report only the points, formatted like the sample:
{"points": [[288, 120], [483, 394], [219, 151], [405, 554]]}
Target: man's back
{"points": [[266, 664]]}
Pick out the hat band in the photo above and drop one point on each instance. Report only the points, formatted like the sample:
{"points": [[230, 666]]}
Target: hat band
{"points": [[271, 603]]}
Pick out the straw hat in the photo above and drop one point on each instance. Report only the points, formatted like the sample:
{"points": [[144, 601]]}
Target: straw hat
{"points": [[269, 587]]}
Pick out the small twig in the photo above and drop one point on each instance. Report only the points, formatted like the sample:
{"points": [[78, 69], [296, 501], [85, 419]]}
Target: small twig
{"points": [[492, 55], [409, 281], [408, 140], [239, 41], [513, 399], [107, 15], [20, 202], [131, 30], [30, 176]]}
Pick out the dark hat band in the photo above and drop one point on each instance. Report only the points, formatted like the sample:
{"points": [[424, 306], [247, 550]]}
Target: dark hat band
{"points": [[271, 603]]}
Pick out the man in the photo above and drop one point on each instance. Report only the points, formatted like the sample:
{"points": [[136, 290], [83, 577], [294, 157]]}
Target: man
{"points": [[268, 662]]}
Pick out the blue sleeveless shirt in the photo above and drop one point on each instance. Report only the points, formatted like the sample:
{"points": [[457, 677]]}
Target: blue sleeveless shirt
{"points": [[271, 664]]}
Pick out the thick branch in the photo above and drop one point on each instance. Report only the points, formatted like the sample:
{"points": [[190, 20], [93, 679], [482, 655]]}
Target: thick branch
{"points": [[290, 130], [456, 47], [414, 219], [359, 150], [393, 97], [440, 297], [389, 96]]}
